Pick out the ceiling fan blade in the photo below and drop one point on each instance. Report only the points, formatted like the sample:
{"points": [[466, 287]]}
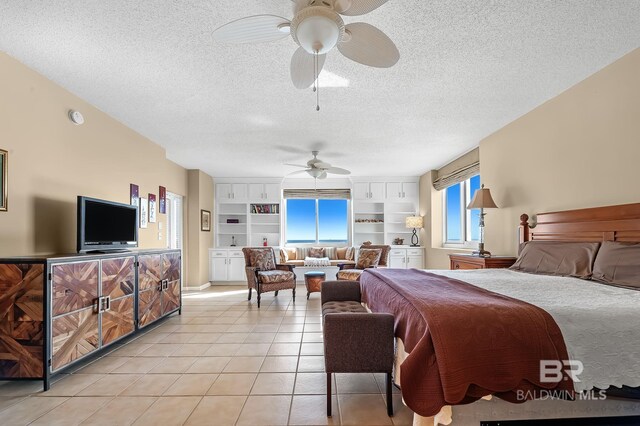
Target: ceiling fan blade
{"points": [[338, 171], [296, 165], [369, 46], [323, 175], [322, 165], [298, 172], [357, 7], [302, 68], [253, 29]]}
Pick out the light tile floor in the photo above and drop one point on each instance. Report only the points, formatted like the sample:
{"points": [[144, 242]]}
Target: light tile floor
{"points": [[222, 362]]}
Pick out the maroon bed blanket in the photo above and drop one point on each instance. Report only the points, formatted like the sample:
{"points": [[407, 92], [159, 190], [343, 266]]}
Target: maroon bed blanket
{"points": [[464, 342]]}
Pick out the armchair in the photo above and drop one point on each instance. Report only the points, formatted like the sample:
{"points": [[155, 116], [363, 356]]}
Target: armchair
{"points": [[264, 275], [366, 259]]}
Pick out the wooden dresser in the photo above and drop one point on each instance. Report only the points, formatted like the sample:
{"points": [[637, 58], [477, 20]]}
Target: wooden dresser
{"points": [[467, 261], [57, 310]]}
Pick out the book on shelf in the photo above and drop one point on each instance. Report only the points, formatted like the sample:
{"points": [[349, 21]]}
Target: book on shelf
{"points": [[265, 208]]}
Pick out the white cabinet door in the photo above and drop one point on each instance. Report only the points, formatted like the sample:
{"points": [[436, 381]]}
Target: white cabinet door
{"points": [[219, 266], [394, 191], [376, 191], [397, 262], [256, 192], [410, 190], [272, 192], [223, 191], [360, 191], [236, 269], [415, 262], [239, 191]]}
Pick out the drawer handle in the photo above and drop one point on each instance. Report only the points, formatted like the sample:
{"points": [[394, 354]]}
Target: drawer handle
{"points": [[457, 266]]}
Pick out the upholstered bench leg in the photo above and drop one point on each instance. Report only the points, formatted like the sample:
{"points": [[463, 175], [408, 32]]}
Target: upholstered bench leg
{"points": [[258, 300], [389, 396], [250, 290], [328, 394], [294, 294], [276, 293]]}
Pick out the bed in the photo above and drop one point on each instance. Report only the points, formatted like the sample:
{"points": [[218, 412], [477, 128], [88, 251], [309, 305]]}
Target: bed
{"points": [[597, 324]]}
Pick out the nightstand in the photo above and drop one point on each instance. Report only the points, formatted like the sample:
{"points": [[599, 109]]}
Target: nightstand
{"points": [[467, 261]]}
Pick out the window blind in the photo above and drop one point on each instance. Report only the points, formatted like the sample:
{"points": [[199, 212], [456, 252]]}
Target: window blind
{"points": [[335, 194], [457, 176]]}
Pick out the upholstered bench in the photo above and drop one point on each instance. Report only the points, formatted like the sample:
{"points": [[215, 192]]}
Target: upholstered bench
{"points": [[355, 341]]}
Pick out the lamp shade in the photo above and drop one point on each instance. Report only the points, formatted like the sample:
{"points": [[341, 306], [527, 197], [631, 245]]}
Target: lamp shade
{"points": [[482, 200], [414, 222]]}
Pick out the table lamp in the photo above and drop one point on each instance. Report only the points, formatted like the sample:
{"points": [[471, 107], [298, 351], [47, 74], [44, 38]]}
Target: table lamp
{"points": [[482, 200], [416, 223]]}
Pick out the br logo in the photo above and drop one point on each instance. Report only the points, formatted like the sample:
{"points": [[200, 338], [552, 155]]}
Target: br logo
{"points": [[553, 371]]}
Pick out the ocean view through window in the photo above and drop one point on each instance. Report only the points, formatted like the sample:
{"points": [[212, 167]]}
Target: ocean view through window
{"points": [[461, 226], [310, 221]]}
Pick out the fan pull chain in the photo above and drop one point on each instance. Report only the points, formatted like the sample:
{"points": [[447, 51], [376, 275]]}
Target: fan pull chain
{"points": [[317, 83], [315, 64]]}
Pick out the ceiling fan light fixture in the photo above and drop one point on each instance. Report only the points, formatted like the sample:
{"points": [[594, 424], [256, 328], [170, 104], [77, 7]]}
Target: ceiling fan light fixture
{"points": [[315, 173], [317, 29]]}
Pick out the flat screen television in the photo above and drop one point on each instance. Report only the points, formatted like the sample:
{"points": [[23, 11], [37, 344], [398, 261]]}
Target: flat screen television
{"points": [[106, 226]]}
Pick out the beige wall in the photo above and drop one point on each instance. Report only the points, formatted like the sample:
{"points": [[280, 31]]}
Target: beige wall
{"points": [[200, 197], [580, 149], [52, 161]]}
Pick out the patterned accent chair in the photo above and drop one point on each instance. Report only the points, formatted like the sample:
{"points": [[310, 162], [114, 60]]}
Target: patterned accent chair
{"points": [[369, 256], [264, 275]]}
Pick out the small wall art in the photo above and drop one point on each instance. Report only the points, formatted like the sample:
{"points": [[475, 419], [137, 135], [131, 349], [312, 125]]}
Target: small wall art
{"points": [[152, 208], [162, 200], [134, 194], [205, 220], [144, 212]]}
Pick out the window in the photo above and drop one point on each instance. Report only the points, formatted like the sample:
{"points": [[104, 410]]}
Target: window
{"points": [[461, 226], [311, 221]]}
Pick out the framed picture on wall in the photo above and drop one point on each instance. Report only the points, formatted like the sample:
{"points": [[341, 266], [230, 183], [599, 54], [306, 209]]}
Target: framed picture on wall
{"points": [[162, 200], [144, 212], [152, 208], [4, 173], [134, 192], [205, 220]]}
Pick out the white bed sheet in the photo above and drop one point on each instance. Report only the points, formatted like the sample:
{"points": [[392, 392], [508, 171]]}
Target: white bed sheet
{"points": [[601, 328], [600, 323]]}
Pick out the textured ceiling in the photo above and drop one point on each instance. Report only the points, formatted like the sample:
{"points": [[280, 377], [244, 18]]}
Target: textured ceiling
{"points": [[467, 68]]}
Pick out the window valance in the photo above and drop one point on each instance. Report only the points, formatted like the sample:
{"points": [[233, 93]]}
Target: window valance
{"points": [[335, 194], [457, 176]]}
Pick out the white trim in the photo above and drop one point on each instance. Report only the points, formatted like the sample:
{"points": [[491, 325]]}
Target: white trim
{"points": [[197, 288]]}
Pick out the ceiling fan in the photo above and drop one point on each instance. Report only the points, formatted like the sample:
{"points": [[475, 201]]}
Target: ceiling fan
{"points": [[317, 27], [318, 169]]}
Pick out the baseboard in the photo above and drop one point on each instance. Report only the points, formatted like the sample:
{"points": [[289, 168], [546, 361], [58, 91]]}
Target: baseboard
{"points": [[198, 288]]}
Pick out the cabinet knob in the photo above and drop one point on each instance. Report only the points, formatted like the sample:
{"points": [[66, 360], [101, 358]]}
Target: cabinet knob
{"points": [[456, 266]]}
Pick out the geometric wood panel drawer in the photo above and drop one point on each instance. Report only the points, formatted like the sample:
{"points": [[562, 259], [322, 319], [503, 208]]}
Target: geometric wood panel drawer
{"points": [[118, 277], [21, 320], [118, 321], [74, 336], [149, 272], [75, 286]]}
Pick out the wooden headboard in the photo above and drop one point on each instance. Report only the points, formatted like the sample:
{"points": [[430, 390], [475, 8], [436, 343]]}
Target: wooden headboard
{"points": [[611, 223]]}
